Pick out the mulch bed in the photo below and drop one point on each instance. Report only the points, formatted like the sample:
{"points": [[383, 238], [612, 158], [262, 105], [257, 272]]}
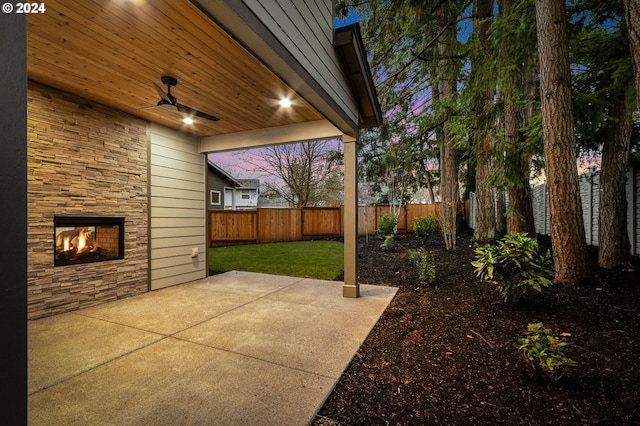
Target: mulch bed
{"points": [[446, 354]]}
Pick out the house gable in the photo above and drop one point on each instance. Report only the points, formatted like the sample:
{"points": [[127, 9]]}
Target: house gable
{"points": [[217, 181]]}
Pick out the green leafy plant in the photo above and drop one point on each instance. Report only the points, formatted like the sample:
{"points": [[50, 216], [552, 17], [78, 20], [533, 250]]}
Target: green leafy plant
{"points": [[388, 242], [540, 348], [424, 261], [386, 225], [514, 265], [423, 227]]}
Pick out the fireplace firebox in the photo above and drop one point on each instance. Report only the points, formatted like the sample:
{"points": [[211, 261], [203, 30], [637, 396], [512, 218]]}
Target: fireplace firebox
{"points": [[86, 239]]}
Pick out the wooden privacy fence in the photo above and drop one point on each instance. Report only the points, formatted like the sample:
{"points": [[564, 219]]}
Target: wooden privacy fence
{"points": [[265, 225]]}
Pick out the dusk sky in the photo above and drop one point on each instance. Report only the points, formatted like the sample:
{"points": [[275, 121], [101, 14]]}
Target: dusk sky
{"points": [[235, 162]]}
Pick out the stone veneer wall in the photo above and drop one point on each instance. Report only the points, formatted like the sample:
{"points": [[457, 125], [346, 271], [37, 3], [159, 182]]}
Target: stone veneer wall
{"points": [[84, 158]]}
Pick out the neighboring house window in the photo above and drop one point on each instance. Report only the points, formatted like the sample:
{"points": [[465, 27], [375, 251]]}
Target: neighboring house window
{"points": [[215, 198], [246, 194]]}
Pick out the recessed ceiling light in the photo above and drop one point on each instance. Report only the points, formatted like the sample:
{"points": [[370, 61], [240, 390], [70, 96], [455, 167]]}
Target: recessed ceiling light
{"points": [[187, 120], [285, 103]]}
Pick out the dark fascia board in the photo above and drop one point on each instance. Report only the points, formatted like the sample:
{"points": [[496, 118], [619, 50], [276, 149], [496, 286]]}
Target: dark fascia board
{"points": [[223, 173], [348, 43]]}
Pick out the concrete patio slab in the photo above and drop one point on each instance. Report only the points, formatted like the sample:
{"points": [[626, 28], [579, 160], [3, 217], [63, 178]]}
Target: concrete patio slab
{"points": [[306, 337], [66, 345], [169, 310], [236, 348]]}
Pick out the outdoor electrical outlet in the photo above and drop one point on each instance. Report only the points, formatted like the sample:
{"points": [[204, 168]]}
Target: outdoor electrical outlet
{"points": [[194, 252]]}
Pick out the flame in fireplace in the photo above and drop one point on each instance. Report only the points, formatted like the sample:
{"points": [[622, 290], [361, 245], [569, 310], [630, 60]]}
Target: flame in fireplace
{"points": [[82, 241], [66, 244]]}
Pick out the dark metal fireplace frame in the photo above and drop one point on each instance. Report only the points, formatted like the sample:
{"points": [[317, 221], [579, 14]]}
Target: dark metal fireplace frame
{"points": [[88, 221]]}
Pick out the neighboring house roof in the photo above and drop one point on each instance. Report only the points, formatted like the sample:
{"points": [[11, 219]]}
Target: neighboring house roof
{"points": [[249, 183], [240, 183], [213, 166]]}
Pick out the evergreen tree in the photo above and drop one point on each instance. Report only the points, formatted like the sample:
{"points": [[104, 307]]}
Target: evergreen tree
{"points": [[567, 239], [416, 60], [603, 87], [482, 83], [517, 58]]}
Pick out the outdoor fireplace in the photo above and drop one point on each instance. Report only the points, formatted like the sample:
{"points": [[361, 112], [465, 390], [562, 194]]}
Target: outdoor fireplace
{"points": [[86, 239]]}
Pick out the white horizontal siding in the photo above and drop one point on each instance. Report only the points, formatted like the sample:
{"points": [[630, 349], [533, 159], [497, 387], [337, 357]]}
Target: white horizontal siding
{"points": [[195, 231], [171, 251], [162, 151], [182, 194], [161, 182], [178, 210], [170, 202], [168, 281], [305, 29], [176, 172], [168, 222], [181, 211]]}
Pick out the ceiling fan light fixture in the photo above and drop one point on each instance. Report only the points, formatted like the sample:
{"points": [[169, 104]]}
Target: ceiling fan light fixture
{"points": [[188, 120], [168, 101]]}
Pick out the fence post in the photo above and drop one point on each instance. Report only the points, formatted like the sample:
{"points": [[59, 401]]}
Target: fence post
{"points": [[587, 207], [257, 230]]}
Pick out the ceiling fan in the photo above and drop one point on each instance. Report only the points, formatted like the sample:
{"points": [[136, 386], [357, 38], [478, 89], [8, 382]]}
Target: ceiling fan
{"points": [[168, 101]]}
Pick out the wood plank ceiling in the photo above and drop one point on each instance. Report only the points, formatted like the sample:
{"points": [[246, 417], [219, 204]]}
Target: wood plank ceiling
{"points": [[112, 51]]}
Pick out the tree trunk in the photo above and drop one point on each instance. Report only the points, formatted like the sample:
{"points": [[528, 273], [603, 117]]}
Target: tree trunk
{"points": [[520, 204], [523, 196], [632, 17], [448, 160], [613, 239], [429, 183], [567, 229], [501, 213], [517, 166], [449, 185], [485, 228]]}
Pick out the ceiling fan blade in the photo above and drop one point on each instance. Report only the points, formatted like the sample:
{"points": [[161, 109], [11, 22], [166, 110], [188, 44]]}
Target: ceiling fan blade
{"points": [[163, 95], [191, 111], [147, 107]]}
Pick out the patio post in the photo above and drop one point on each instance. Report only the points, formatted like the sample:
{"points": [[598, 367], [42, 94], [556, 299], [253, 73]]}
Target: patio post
{"points": [[351, 288]]}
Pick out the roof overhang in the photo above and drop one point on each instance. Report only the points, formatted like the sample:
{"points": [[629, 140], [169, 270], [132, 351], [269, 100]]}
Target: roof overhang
{"points": [[238, 20], [349, 45]]}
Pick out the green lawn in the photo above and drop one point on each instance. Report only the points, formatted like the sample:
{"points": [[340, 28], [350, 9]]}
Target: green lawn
{"points": [[309, 259]]}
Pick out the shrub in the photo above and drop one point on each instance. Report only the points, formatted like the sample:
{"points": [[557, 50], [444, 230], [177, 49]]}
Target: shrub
{"points": [[386, 225], [514, 265], [425, 263], [540, 348], [423, 227], [388, 242]]}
